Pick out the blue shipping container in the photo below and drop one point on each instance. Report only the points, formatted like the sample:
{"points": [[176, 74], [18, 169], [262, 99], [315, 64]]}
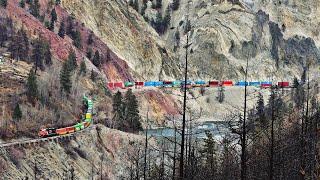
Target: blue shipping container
{"points": [[242, 83], [149, 83]]}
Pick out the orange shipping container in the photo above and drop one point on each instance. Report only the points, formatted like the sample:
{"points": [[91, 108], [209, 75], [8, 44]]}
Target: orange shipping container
{"points": [[62, 131], [70, 129]]}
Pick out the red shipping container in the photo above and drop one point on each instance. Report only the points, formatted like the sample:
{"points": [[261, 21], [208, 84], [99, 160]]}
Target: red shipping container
{"points": [[266, 85], [283, 84], [139, 83], [70, 129], [118, 85], [227, 83], [110, 85], [213, 83]]}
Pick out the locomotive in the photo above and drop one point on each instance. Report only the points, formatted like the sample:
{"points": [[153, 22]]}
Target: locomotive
{"points": [[49, 132]]}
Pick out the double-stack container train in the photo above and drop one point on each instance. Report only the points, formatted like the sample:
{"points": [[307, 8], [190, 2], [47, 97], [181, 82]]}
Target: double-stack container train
{"points": [[197, 83], [87, 120]]}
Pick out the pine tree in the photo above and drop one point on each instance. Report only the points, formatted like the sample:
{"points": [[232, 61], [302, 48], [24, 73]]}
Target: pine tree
{"points": [[132, 116], [38, 54], [89, 53], [17, 114], [65, 78], [175, 5], [51, 26], [72, 60], [3, 3], [221, 95], [19, 45], [22, 4], [187, 26], [77, 39], [29, 1], [93, 75], [83, 68], [58, 2], [3, 34], [209, 152], [167, 18], [47, 54], [90, 39], [54, 15], [69, 30], [35, 8], [118, 109], [136, 5], [96, 59], [61, 32], [260, 110], [32, 87], [143, 8], [158, 4]]}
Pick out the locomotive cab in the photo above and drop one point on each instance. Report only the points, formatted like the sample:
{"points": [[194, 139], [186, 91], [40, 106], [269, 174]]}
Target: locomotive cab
{"points": [[47, 132]]}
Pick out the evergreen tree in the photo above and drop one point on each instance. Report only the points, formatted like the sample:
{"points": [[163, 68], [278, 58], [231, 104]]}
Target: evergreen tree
{"points": [[187, 26], [32, 87], [96, 59], [65, 78], [35, 8], [260, 110], [61, 32], [22, 4], [90, 39], [93, 75], [167, 18], [221, 95], [136, 5], [47, 54], [69, 30], [3, 34], [38, 54], [17, 114], [143, 8], [29, 1], [83, 68], [72, 61], [89, 53], [54, 15], [19, 45], [118, 109], [3, 3], [51, 26], [132, 116], [175, 4], [77, 39], [158, 4], [303, 76], [58, 2], [209, 152]]}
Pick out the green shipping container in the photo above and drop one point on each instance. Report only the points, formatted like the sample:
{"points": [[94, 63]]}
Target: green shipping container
{"points": [[128, 84], [177, 83]]}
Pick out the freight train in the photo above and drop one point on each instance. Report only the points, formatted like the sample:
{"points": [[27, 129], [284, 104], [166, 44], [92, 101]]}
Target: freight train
{"points": [[198, 83], [87, 120]]}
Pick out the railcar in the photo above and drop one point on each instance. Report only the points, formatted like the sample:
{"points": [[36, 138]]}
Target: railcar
{"points": [[213, 83], [139, 84], [226, 83], [255, 83], [47, 132], [110, 85], [62, 131], [149, 83], [266, 84], [158, 83], [242, 83], [177, 83], [129, 84], [167, 84], [200, 83], [283, 84], [118, 85]]}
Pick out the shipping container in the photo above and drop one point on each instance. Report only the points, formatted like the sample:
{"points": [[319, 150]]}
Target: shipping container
{"points": [[242, 83], [158, 83], [129, 84], [226, 83], [266, 84], [200, 83], [110, 85], [62, 131], [177, 83], [255, 83], [149, 83], [139, 83], [213, 83], [283, 84], [118, 85], [70, 129]]}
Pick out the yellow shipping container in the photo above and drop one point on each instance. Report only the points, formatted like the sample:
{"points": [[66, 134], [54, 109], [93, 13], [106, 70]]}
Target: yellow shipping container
{"points": [[88, 115]]}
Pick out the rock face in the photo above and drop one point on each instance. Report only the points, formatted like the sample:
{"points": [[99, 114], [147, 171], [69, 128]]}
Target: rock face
{"points": [[128, 35]]}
